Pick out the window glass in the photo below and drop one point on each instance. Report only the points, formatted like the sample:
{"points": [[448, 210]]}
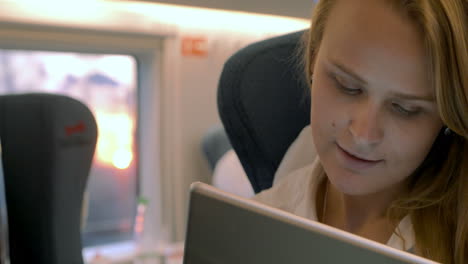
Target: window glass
{"points": [[107, 85]]}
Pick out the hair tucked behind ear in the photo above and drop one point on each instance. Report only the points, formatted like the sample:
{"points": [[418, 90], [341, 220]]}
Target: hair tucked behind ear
{"points": [[437, 200]]}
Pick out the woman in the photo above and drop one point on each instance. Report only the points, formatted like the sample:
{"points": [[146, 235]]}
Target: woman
{"points": [[389, 89]]}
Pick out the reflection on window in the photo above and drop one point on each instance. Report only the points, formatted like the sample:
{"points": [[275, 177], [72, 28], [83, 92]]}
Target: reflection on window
{"points": [[107, 84]]}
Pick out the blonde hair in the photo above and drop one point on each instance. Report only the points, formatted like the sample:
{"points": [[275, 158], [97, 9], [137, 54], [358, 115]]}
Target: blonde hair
{"points": [[437, 201]]}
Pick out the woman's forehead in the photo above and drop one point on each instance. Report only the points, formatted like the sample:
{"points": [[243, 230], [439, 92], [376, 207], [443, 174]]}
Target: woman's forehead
{"points": [[377, 42]]}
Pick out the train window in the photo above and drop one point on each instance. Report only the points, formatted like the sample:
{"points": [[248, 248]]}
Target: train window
{"points": [[107, 84]]}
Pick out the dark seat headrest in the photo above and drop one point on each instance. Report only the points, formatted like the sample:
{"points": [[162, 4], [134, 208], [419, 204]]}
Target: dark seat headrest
{"points": [[48, 143], [264, 102]]}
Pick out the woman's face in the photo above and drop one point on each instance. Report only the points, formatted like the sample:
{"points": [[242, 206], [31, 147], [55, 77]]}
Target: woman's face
{"points": [[374, 116]]}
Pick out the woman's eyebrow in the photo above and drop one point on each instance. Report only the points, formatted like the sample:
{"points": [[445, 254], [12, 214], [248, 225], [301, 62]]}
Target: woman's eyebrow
{"points": [[413, 97], [410, 97], [343, 69]]}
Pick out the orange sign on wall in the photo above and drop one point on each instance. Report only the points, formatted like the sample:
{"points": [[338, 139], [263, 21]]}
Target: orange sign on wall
{"points": [[194, 46]]}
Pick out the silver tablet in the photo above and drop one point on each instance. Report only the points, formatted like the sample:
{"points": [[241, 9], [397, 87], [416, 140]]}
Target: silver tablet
{"points": [[4, 244], [227, 229]]}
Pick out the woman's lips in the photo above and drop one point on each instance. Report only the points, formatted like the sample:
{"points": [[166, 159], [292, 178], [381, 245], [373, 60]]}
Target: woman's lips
{"points": [[354, 162]]}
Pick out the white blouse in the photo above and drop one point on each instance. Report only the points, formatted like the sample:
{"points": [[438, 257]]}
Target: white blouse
{"points": [[296, 194]]}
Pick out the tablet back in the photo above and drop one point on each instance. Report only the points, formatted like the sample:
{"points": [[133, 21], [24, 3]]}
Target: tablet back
{"points": [[226, 229]]}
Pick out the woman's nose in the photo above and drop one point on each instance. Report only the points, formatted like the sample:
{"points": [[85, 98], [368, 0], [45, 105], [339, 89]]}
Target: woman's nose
{"points": [[365, 124]]}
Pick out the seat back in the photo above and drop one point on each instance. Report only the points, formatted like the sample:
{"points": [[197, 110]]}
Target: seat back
{"points": [[264, 103], [48, 143]]}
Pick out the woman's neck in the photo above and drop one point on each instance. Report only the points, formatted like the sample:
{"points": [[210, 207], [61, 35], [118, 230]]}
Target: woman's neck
{"points": [[361, 215]]}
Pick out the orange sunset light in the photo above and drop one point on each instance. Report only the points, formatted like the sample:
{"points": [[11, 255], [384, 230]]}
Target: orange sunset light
{"points": [[115, 140]]}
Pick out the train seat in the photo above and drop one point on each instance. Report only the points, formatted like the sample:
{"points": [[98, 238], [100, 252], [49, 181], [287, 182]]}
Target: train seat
{"points": [[48, 143], [264, 104]]}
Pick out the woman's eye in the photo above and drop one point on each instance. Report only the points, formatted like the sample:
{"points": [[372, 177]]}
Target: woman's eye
{"points": [[404, 111], [350, 91], [345, 87]]}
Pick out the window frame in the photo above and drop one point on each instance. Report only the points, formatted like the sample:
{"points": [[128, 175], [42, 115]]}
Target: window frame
{"points": [[152, 53]]}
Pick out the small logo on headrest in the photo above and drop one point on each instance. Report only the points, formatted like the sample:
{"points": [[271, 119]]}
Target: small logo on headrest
{"points": [[73, 129]]}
